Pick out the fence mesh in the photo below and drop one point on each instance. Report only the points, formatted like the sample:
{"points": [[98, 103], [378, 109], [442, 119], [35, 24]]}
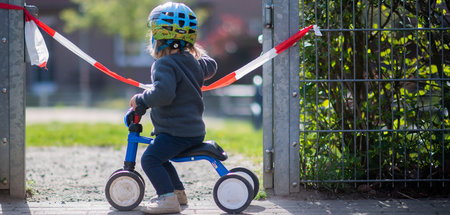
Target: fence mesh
{"points": [[375, 92]]}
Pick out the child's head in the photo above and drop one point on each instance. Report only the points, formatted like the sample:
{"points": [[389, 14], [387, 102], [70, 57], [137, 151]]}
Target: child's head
{"points": [[173, 28]]}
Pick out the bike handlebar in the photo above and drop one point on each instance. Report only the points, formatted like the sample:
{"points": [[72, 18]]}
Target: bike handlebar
{"points": [[140, 110], [134, 116], [137, 118]]}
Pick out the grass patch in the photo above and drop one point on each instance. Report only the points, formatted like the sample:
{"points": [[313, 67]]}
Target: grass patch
{"points": [[261, 195], [239, 137], [30, 189], [71, 134], [233, 135]]}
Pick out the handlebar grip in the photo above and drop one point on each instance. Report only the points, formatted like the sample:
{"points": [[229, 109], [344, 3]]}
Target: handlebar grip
{"points": [[140, 110], [137, 119]]}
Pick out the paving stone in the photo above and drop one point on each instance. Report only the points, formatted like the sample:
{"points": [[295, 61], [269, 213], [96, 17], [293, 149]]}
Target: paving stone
{"points": [[270, 206]]}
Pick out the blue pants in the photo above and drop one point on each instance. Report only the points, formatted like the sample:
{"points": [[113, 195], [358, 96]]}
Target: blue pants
{"points": [[156, 165]]}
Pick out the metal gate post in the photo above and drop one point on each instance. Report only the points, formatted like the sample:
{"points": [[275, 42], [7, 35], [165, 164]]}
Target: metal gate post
{"points": [[294, 102], [12, 101], [4, 100], [281, 97], [267, 94]]}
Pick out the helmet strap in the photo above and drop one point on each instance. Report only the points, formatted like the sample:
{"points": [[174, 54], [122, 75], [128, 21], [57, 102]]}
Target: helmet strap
{"points": [[174, 44], [153, 43], [161, 48]]}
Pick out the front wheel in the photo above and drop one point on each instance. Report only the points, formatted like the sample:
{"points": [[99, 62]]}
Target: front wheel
{"points": [[233, 193], [134, 171], [124, 190]]}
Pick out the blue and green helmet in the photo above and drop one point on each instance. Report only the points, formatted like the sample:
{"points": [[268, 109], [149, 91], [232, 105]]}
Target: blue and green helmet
{"points": [[173, 21]]}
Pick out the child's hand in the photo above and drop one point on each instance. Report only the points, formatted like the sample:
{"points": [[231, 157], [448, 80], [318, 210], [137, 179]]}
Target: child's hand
{"points": [[133, 102]]}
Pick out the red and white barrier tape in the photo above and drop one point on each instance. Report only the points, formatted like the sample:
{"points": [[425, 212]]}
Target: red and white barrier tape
{"points": [[225, 81], [241, 72], [72, 47]]}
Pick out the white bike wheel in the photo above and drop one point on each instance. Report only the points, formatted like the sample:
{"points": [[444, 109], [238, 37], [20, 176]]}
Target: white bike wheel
{"points": [[233, 193], [124, 190], [249, 176]]}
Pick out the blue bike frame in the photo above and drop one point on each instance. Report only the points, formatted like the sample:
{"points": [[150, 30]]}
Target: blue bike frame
{"points": [[135, 138]]}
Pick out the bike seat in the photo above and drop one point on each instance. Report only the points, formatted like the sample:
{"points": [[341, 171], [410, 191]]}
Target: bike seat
{"points": [[207, 148]]}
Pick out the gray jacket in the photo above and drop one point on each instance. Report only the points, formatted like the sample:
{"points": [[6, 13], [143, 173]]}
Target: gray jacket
{"points": [[176, 99]]}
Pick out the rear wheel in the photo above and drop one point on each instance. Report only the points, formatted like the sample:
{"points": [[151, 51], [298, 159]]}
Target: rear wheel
{"points": [[124, 190], [249, 176]]}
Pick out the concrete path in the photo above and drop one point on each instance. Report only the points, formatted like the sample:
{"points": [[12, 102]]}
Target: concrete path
{"points": [[270, 206], [88, 115], [74, 114]]}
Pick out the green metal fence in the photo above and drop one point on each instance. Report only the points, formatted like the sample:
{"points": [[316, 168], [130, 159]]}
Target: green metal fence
{"points": [[375, 93]]}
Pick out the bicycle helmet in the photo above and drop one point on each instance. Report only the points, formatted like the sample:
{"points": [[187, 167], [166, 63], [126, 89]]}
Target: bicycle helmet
{"points": [[173, 22]]}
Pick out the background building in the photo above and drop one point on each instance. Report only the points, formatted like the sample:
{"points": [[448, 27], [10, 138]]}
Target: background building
{"points": [[229, 34]]}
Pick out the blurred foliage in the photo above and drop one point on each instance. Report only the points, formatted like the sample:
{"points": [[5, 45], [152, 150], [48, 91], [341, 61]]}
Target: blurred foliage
{"points": [[116, 17], [399, 115]]}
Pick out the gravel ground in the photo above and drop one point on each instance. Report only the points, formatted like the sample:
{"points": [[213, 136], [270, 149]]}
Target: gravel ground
{"points": [[79, 174]]}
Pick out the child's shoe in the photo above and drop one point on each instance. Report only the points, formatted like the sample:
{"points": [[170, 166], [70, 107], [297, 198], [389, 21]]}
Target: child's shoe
{"points": [[181, 195], [154, 199], [182, 198], [163, 205]]}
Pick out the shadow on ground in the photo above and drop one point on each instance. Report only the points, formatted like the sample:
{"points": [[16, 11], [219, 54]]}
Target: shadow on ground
{"points": [[15, 206]]}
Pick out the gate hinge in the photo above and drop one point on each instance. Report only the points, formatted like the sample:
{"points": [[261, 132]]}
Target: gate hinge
{"points": [[268, 16], [269, 155]]}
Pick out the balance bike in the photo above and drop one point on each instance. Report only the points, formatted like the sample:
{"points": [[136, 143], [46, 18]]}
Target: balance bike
{"points": [[232, 193]]}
